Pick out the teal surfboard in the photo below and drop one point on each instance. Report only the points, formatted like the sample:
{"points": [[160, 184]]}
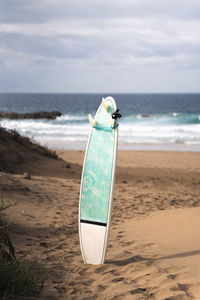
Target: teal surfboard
{"points": [[97, 183]]}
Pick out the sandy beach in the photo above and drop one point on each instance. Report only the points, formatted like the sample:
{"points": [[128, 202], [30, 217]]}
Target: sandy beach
{"points": [[154, 246]]}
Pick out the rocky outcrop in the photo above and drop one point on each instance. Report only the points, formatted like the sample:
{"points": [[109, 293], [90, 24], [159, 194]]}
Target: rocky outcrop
{"points": [[34, 115]]}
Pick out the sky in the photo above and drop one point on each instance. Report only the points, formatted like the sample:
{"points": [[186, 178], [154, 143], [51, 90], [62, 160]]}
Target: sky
{"points": [[99, 46]]}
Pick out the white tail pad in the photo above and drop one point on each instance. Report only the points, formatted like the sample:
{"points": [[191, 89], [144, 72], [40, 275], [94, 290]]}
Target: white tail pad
{"points": [[93, 237]]}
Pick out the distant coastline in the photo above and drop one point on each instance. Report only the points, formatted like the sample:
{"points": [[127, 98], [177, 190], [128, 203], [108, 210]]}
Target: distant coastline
{"points": [[51, 115]]}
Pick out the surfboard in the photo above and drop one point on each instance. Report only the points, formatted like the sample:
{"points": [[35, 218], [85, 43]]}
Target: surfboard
{"points": [[97, 184]]}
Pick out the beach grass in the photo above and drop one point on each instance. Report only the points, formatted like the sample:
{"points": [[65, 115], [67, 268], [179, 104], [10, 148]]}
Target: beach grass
{"points": [[13, 135], [19, 276]]}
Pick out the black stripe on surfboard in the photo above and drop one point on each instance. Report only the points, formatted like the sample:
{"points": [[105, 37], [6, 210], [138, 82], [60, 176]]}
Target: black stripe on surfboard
{"points": [[93, 222]]}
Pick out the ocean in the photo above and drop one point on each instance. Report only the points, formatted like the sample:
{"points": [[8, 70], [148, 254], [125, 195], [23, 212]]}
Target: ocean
{"points": [[149, 121]]}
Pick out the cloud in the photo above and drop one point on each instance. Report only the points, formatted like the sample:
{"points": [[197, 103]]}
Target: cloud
{"points": [[22, 11], [98, 37]]}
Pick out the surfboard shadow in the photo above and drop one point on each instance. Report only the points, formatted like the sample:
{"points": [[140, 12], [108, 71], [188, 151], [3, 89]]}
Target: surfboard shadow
{"points": [[138, 258]]}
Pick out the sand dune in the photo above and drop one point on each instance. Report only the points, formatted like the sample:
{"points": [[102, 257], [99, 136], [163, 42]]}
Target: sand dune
{"points": [[154, 246]]}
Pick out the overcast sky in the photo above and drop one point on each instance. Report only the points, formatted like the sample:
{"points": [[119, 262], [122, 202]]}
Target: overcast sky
{"points": [[127, 46]]}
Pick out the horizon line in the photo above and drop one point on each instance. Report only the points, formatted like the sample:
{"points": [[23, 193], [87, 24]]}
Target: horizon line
{"points": [[100, 93]]}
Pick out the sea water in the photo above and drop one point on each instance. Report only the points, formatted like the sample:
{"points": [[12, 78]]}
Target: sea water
{"points": [[149, 121]]}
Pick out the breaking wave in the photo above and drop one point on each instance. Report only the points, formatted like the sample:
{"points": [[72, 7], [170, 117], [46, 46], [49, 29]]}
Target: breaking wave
{"points": [[174, 128]]}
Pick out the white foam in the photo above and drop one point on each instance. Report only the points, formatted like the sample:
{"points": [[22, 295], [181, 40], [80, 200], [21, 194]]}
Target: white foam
{"points": [[62, 130], [71, 118]]}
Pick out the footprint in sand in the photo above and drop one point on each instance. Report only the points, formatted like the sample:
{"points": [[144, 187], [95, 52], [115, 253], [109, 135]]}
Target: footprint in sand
{"points": [[101, 269], [118, 279], [183, 288], [101, 287], [172, 276]]}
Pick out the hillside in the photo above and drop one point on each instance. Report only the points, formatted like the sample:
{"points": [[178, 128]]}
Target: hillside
{"points": [[19, 154]]}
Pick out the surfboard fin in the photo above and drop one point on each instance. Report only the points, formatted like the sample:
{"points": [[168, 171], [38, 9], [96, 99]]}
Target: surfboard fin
{"points": [[105, 105], [112, 123], [92, 121]]}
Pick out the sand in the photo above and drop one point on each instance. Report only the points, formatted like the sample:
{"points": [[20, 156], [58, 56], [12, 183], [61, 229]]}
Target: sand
{"points": [[154, 246]]}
